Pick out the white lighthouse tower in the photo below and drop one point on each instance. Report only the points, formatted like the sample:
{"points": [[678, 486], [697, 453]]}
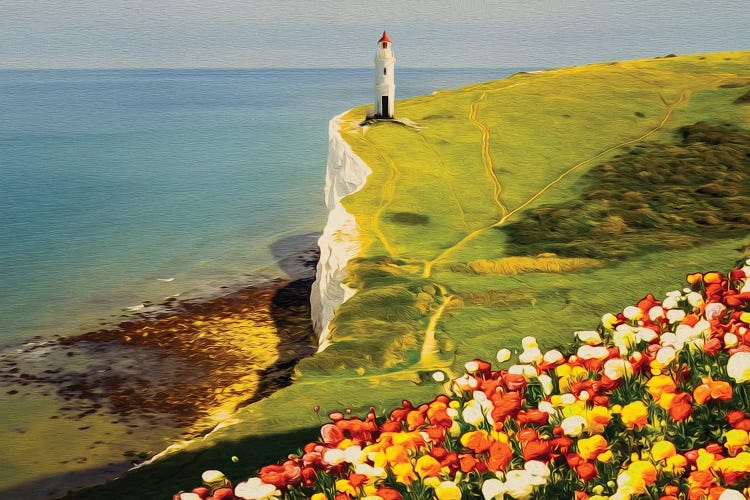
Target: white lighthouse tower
{"points": [[385, 87]]}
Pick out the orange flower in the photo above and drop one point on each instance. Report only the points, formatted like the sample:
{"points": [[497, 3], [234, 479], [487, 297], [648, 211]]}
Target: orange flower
{"points": [[586, 471], [712, 389], [680, 407], [694, 278], [535, 449], [477, 441], [500, 455]]}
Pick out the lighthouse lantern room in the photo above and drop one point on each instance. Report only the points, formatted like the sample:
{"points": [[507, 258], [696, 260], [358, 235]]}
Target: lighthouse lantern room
{"points": [[385, 86]]}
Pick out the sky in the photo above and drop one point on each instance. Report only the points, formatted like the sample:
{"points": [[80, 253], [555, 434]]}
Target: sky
{"points": [[332, 33]]}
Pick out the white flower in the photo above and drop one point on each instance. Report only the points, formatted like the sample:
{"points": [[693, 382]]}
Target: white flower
{"points": [[675, 315], [529, 342], [553, 356], [592, 352], [714, 310], [573, 426], [666, 355], [530, 355], [546, 382], [674, 294], [616, 369], [645, 334], [473, 413], [589, 337], [671, 302], [547, 407], [438, 376], [695, 299], [493, 488], [730, 340], [632, 313], [467, 381], [333, 456], [503, 355], [731, 495], [584, 395], [255, 489], [656, 312], [353, 454], [537, 468], [212, 476], [189, 496], [518, 484], [738, 366], [369, 470], [527, 371], [471, 366], [567, 398]]}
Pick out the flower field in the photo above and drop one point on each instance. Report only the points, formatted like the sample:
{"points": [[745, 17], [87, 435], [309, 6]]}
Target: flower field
{"points": [[653, 404]]}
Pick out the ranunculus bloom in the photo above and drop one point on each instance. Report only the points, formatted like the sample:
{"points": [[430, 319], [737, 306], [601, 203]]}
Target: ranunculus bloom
{"points": [[635, 414], [427, 466], [660, 384], [662, 450], [586, 471], [255, 489], [590, 447], [712, 389], [738, 366]]}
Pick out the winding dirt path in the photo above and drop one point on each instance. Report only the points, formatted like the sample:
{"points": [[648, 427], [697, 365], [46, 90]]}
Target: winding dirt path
{"points": [[665, 118], [489, 167], [430, 349]]}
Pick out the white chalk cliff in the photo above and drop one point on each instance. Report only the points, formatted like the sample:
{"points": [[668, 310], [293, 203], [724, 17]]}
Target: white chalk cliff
{"points": [[346, 173]]}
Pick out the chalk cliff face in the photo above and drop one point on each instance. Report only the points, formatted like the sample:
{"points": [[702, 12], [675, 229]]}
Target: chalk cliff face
{"points": [[346, 173]]}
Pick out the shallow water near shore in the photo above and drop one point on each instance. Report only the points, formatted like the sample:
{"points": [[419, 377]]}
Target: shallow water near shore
{"points": [[140, 203]]}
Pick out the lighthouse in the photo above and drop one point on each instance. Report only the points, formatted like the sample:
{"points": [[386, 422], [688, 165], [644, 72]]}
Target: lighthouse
{"points": [[385, 87]]}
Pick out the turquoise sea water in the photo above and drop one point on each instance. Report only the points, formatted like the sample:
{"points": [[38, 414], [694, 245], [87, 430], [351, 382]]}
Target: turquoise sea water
{"points": [[114, 181]]}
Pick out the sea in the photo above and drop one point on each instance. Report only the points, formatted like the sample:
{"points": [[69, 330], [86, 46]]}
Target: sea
{"points": [[120, 188]]}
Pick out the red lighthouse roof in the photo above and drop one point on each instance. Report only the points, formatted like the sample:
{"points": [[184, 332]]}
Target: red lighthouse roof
{"points": [[384, 38]]}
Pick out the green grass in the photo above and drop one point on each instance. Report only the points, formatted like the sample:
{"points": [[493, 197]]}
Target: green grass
{"points": [[430, 189]]}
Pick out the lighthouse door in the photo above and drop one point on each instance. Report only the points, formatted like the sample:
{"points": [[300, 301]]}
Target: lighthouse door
{"points": [[384, 107]]}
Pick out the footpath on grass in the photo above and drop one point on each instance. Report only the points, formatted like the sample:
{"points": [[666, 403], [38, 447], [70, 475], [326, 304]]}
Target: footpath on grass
{"points": [[444, 271]]}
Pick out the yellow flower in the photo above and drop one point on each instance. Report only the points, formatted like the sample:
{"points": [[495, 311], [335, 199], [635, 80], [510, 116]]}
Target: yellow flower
{"points": [[404, 473], [605, 457], [662, 450], [659, 385], [676, 464], [589, 448], [344, 486], [427, 466], [635, 414], [598, 418], [705, 459], [396, 454], [447, 490], [319, 496], [740, 463], [736, 439]]}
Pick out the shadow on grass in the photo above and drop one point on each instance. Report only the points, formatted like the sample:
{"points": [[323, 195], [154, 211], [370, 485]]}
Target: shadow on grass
{"points": [[183, 470]]}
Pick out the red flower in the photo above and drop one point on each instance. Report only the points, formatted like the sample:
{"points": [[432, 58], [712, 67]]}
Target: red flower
{"points": [[331, 434], [536, 450], [532, 416], [388, 493], [506, 404], [586, 471], [514, 382]]}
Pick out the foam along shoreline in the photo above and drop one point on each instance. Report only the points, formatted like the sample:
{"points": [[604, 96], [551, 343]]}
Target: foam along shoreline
{"points": [[346, 173]]}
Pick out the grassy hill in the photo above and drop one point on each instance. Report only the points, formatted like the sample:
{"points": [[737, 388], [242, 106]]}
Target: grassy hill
{"points": [[525, 206]]}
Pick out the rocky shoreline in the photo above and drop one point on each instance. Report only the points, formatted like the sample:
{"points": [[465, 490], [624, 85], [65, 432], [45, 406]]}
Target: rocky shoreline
{"points": [[187, 365]]}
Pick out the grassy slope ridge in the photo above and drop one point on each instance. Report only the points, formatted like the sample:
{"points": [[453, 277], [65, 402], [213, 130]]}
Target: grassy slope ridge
{"points": [[436, 274]]}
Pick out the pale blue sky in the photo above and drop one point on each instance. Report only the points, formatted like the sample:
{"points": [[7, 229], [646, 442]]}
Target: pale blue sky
{"points": [[327, 33]]}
